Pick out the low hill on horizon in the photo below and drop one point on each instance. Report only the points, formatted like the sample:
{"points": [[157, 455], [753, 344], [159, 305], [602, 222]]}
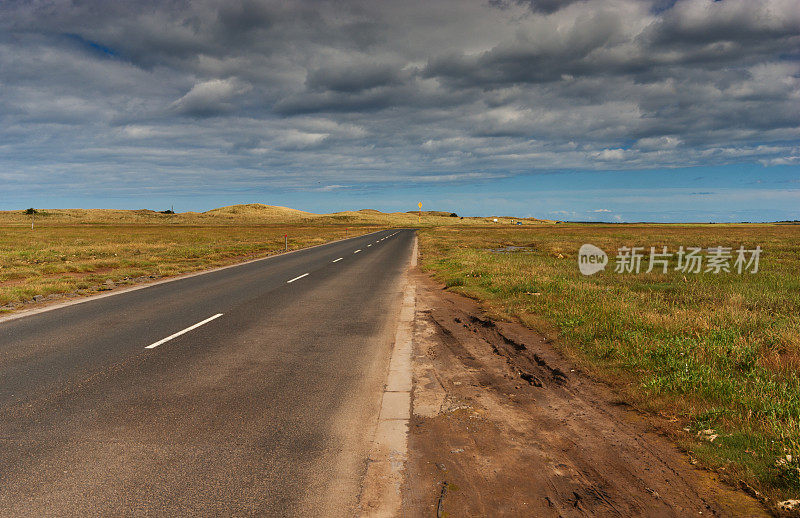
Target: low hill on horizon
{"points": [[260, 210], [250, 213]]}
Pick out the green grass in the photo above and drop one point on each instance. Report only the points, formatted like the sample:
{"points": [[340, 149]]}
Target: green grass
{"points": [[717, 352]]}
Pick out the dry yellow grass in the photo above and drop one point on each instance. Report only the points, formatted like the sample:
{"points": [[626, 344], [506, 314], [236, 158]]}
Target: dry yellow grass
{"points": [[254, 213], [80, 251]]}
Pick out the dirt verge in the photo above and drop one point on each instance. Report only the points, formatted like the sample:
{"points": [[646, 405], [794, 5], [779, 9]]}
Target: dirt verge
{"points": [[503, 425]]}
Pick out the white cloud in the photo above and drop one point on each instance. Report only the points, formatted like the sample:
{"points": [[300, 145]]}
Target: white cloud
{"points": [[211, 97], [783, 160], [662, 142], [294, 139], [611, 154]]}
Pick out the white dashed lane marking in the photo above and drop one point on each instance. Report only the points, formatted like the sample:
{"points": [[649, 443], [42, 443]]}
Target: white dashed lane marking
{"points": [[179, 333], [296, 278]]}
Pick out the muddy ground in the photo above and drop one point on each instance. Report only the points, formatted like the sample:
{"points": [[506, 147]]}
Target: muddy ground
{"points": [[503, 425]]}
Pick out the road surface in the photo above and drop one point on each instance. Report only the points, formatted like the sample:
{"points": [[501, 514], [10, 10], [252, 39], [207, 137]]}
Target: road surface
{"points": [[247, 390]]}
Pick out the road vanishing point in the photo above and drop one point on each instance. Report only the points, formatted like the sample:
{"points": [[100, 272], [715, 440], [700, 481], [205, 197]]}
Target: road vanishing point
{"points": [[251, 389]]}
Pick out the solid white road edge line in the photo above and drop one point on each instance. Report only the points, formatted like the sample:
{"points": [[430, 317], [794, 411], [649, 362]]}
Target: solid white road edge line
{"points": [[337, 260], [179, 333], [298, 277]]}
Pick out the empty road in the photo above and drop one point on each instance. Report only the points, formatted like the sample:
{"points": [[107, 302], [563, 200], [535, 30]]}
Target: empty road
{"points": [[247, 390]]}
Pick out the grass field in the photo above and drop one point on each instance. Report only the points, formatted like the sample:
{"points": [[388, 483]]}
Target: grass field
{"points": [[59, 259], [718, 353], [78, 251]]}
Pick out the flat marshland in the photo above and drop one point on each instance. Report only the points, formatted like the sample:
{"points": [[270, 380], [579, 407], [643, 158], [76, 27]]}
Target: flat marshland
{"points": [[717, 354]]}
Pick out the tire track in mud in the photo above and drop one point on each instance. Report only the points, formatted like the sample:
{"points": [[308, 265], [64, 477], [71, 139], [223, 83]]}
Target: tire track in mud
{"points": [[520, 433]]}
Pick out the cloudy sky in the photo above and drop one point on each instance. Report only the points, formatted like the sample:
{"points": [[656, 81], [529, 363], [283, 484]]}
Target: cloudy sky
{"points": [[572, 109]]}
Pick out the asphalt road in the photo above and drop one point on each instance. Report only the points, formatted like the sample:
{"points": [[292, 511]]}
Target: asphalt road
{"points": [[264, 410]]}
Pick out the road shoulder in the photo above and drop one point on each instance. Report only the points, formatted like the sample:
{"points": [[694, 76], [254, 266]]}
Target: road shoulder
{"points": [[381, 489]]}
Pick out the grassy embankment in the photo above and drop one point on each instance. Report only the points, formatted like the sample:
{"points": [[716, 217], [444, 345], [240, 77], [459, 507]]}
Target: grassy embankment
{"points": [[718, 353]]}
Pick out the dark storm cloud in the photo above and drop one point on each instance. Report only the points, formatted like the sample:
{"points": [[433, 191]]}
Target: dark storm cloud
{"points": [[352, 78], [343, 92], [529, 59], [543, 6]]}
